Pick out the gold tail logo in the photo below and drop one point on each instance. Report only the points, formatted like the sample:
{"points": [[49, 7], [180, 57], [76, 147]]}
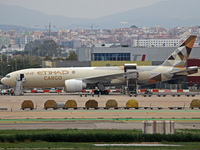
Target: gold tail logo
{"points": [[179, 57]]}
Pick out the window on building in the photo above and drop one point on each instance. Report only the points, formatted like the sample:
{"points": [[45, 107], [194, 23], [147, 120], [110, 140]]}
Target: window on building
{"points": [[112, 57]]}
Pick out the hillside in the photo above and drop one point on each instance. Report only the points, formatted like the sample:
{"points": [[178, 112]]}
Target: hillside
{"points": [[167, 14]]}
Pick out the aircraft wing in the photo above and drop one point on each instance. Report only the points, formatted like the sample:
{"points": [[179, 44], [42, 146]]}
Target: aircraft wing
{"points": [[107, 78], [187, 71]]}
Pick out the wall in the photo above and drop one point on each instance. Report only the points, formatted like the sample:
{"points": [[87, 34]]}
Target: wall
{"points": [[119, 63], [73, 63], [194, 78]]}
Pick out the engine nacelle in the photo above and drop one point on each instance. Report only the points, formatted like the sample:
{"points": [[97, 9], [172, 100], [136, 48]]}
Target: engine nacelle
{"points": [[74, 85]]}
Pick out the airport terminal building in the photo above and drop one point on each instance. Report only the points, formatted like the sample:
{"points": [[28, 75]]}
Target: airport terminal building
{"points": [[154, 54]]}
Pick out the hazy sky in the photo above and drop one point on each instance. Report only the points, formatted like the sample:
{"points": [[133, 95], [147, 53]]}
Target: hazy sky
{"points": [[80, 8]]}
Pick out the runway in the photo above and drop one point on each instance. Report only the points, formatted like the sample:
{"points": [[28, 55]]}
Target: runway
{"points": [[15, 118]]}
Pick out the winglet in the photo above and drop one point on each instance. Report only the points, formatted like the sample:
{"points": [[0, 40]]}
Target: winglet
{"points": [[179, 56]]}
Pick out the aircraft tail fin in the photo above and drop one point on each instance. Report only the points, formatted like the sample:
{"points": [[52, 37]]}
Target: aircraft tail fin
{"points": [[179, 57]]}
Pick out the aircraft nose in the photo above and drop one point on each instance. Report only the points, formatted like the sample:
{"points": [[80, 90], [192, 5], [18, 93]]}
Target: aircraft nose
{"points": [[3, 80]]}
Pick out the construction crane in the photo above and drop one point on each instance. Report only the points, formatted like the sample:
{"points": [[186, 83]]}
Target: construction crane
{"points": [[49, 29], [91, 26]]}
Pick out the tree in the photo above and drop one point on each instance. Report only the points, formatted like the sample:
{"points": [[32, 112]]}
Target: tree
{"points": [[2, 47], [109, 31], [41, 49], [72, 56], [17, 63], [49, 47], [47, 57], [133, 26], [3, 57], [59, 58], [32, 45]]}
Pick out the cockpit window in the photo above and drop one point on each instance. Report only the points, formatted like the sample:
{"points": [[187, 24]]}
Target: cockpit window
{"points": [[7, 76]]}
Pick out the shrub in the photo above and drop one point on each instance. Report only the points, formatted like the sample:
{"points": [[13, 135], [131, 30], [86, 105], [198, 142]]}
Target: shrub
{"points": [[77, 136]]}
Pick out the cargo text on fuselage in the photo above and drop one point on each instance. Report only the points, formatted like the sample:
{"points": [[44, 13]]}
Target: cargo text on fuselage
{"points": [[53, 75]]}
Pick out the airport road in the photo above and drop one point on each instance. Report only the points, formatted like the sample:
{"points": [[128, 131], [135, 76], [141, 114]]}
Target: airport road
{"points": [[189, 118], [99, 114], [87, 124]]}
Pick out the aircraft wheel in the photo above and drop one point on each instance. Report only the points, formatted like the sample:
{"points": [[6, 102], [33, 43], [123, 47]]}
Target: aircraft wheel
{"points": [[96, 92], [106, 92]]}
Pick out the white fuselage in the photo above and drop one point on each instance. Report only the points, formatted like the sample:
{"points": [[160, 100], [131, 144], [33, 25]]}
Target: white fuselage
{"points": [[55, 77]]}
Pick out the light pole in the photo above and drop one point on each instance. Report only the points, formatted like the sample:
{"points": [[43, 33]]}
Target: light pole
{"points": [[44, 51], [15, 64]]}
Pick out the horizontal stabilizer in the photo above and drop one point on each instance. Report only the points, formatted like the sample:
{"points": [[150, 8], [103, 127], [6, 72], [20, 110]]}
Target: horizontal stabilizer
{"points": [[187, 71]]}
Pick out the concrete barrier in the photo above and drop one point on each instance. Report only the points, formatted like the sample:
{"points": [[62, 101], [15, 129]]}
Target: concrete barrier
{"points": [[158, 127]]}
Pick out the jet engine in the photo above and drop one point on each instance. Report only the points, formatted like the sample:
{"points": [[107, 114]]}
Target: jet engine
{"points": [[74, 85]]}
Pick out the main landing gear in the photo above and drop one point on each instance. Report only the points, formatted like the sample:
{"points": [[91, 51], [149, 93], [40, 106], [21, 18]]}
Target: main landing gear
{"points": [[101, 90], [104, 92]]}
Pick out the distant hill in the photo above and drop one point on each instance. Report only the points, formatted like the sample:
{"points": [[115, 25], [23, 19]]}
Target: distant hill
{"points": [[6, 28], [15, 15], [167, 14]]}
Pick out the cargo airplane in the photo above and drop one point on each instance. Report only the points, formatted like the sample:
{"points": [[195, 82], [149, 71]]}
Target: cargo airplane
{"points": [[78, 78]]}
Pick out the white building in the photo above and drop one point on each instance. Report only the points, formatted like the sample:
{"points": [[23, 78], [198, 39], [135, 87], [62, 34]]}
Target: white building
{"points": [[156, 42], [4, 41], [23, 40]]}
